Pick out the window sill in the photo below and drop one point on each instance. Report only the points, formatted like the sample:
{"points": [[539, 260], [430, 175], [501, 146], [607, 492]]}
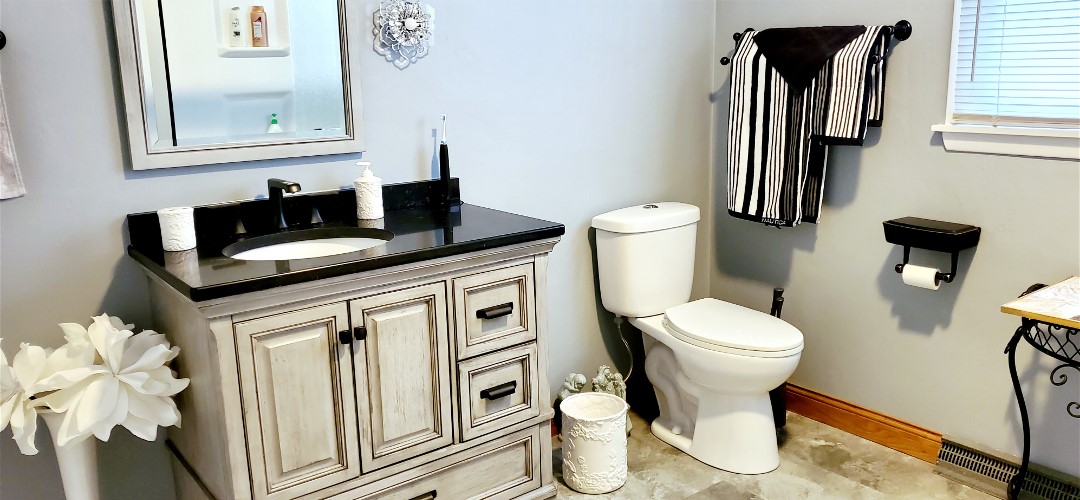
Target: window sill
{"points": [[1040, 143]]}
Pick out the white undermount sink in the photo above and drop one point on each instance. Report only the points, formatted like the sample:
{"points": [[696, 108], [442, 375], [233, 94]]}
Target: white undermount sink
{"points": [[308, 243]]}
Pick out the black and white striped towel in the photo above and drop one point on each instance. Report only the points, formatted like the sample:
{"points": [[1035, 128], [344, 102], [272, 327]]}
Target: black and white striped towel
{"points": [[768, 140], [780, 122], [877, 75], [847, 87], [851, 100]]}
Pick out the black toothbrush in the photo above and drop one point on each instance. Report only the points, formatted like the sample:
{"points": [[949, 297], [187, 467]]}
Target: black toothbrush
{"points": [[444, 165]]}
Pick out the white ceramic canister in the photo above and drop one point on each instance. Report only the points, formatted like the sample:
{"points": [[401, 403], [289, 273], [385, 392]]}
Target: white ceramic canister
{"points": [[594, 442]]}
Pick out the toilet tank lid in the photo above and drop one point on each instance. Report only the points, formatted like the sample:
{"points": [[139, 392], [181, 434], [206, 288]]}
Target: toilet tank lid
{"points": [[730, 325], [647, 217]]}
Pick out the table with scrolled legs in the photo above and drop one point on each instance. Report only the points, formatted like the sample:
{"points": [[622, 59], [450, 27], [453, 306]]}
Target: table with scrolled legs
{"points": [[1050, 320]]}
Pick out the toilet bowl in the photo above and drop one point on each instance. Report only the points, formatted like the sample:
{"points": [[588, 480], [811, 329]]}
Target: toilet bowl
{"points": [[713, 394], [711, 363]]}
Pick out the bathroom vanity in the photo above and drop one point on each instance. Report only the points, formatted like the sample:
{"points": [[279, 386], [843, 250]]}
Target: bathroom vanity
{"points": [[411, 370]]}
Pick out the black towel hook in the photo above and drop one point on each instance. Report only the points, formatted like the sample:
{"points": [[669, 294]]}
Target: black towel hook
{"points": [[3, 40], [901, 31]]}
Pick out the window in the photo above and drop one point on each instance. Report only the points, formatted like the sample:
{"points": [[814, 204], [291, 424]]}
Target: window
{"points": [[1015, 78]]}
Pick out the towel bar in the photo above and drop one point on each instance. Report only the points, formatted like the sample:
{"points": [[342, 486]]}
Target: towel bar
{"points": [[901, 31]]}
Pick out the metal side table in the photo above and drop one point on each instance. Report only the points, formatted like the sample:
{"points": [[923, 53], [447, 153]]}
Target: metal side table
{"points": [[1050, 320]]}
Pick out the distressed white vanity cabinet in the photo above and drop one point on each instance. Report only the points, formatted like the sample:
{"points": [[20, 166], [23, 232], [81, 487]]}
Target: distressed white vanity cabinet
{"points": [[421, 380]]}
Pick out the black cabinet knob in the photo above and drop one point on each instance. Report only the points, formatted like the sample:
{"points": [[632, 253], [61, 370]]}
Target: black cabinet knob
{"points": [[360, 333], [344, 337]]}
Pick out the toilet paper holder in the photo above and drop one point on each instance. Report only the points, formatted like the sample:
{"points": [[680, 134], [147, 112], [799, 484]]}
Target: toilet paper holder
{"points": [[929, 234]]}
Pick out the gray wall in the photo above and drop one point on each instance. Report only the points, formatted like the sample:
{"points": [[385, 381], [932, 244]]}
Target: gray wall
{"points": [[563, 110], [558, 109], [932, 358]]}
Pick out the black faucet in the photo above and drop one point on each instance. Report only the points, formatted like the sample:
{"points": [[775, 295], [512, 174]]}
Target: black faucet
{"points": [[278, 188]]}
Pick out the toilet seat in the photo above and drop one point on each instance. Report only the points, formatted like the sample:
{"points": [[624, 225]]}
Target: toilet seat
{"points": [[725, 327]]}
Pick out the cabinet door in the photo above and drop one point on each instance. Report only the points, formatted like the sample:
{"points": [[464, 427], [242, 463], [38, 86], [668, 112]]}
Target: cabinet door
{"points": [[296, 388], [403, 374]]}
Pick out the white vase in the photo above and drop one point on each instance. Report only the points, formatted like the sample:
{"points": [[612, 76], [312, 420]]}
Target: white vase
{"points": [[594, 442], [78, 461]]}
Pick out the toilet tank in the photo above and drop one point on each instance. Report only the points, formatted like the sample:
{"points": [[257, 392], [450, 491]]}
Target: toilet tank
{"points": [[645, 257]]}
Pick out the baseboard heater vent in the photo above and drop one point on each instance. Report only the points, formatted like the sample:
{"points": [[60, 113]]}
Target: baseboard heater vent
{"points": [[991, 473]]}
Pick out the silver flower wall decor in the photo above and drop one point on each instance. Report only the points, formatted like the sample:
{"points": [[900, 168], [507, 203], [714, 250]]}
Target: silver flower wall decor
{"points": [[404, 31]]}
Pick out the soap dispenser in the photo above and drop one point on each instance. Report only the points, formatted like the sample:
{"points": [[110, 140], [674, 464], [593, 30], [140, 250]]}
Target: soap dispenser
{"points": [[274, 127], [369, 204]]}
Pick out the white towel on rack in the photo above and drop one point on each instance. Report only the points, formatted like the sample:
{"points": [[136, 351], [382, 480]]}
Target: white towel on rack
{"points": [[11, 183]]}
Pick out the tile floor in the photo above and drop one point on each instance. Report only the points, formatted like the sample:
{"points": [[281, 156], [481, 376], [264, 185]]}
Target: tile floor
{"points": [[816, 462]]}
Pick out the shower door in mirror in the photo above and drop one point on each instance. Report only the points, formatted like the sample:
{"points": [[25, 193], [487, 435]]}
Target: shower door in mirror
{"points": [[213, 81]]}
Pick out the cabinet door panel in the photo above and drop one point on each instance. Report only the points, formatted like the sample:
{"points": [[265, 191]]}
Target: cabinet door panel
{"points": [[403, 374], [299, 404]]}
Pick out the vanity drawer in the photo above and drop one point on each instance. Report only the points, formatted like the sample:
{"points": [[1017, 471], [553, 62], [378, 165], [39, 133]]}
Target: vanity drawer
{"points": [[497, 390], [494, 309], [507, 468]]}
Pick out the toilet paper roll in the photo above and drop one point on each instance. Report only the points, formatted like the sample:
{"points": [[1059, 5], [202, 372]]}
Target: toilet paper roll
{"points": [[177, 228], [920, 276]]}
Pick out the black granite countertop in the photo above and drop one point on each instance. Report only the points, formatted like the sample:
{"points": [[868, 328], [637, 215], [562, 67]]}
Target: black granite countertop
{"points": [[423, 227]]}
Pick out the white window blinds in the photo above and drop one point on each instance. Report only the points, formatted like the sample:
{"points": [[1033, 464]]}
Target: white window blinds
{"points": [[1017, 63]]}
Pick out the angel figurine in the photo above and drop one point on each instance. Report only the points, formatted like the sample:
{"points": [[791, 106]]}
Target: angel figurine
{"points": [[572, 385], [611, 383]]}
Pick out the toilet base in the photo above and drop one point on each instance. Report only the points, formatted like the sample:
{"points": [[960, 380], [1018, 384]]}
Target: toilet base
{"points": [[735, 433], [714, 405]]}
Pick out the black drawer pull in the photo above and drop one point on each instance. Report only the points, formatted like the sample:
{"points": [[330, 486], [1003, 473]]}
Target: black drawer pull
{"points": [[427, 496], [495, 311], [344, 337], [360, 333], [499, 391]]}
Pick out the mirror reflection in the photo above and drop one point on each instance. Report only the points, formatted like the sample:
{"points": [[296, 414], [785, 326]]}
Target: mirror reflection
{"points": [[218, 72]]}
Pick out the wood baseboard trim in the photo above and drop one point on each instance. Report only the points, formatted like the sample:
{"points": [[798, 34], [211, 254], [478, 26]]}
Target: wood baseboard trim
{"points": [[887, 431]]}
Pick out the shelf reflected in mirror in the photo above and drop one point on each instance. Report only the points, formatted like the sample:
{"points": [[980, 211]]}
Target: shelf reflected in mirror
{"points": [[200, 89]]}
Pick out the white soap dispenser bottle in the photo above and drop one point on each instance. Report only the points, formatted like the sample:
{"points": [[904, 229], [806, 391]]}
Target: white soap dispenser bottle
{"points": [[275, 127], [369, 203]]}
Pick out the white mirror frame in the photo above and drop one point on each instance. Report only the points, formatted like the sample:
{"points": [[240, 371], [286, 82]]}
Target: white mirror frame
{"points": [[142, 158]]}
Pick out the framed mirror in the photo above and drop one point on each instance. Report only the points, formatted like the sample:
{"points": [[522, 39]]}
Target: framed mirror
{"points": [[219, 81]]}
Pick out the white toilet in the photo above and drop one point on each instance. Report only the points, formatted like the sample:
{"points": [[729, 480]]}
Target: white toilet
{"points": [[712, 363]]}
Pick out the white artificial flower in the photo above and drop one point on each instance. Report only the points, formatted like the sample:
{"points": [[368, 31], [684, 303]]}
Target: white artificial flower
{"points": [[16, 407], [76, 334], [18, 385], [130, 386]]}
